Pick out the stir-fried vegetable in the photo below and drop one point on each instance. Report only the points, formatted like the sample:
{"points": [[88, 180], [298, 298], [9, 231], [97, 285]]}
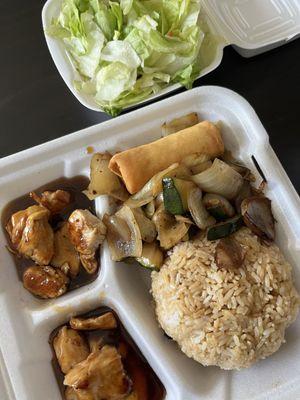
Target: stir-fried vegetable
{"points": [[150, 209], [229, 254], [118, 237], [172, 199], [257, 214], [203, 166], [146, 226], [175, 195], [152, 188], [170, 231], [245, 192], [159, 199], [225, 228], [220, 178], [218, 206], [102, 180], [152, 256], [180, 123], [201, 217], [123, 234]]}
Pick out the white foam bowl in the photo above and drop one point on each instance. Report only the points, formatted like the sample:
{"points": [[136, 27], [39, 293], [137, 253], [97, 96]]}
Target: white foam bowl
{"points": [[26, 322]]}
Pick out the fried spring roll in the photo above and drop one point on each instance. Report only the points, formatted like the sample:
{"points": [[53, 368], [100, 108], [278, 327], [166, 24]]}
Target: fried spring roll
{"points": [[138, 164]]}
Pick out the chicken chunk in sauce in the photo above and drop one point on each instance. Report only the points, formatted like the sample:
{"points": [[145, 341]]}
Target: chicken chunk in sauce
{"points": [[54, 201], [31, 234], [89, 262], [65, 255], [87, 232], [101, 374], [70, 348], [78, 394], [104, 321], [45, 282]]}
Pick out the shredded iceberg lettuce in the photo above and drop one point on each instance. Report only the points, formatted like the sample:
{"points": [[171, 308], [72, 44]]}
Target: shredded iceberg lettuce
{"points": [[127, 50]]}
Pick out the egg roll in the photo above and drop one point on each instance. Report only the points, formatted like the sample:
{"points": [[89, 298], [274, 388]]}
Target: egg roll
{"points": [[138, 164]]}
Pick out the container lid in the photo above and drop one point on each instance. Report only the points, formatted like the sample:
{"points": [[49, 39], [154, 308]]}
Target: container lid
{"points": [[251, 24]]}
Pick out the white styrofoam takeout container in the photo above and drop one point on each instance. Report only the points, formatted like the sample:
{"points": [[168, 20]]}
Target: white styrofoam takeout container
{"points": [[26, 322], [252, 26]]}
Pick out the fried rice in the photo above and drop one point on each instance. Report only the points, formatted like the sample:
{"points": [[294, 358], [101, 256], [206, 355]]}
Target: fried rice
{"points": [[229, 318]]}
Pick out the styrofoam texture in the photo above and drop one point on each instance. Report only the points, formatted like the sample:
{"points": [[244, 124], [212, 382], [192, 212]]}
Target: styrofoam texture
{"points": [[253, 26], [25, 322]]}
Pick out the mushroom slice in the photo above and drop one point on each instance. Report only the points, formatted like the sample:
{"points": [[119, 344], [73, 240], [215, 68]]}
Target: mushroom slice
{"points": [[70, 348], [104, 321], [257, 215], [65, 255], [45, 282], [54, 201], [229, 254], [102, 373], [31, 234], [170, 231], [87, 232]]}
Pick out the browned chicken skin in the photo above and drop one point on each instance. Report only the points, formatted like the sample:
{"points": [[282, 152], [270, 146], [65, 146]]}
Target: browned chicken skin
{"points": [[31, 234], [70, 348], [101, 374], [45, 281], [104, 321], [87, 232], [65, 255], [55, 201]]}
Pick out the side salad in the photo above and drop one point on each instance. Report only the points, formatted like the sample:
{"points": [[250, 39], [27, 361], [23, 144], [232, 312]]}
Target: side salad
{"points": [[127, 50]]}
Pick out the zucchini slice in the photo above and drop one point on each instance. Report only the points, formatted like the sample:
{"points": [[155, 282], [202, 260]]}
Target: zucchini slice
{"points": [[226, 228], [172, 199], [152, 256], [175, 193]]}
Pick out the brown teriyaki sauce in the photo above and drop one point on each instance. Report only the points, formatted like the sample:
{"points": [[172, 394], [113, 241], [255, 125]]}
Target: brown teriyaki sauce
{"points": [[134, 363], [74, 186]]}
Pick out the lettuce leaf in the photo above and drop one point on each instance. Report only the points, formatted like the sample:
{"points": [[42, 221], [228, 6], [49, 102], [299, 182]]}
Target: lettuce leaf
{"points": [[127, 50]]}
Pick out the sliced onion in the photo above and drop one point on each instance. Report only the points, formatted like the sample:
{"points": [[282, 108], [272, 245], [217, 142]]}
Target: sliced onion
{"points": [[146, 226], [151, 189], [181, 218], [201, 167], [150, 209], [170, 231], [103, 181], [180, 123], [201, 217], [159, 199], [123, 234], [220, 179]]}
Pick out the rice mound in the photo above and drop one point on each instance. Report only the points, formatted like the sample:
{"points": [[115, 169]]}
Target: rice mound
{"points": [[226, 318]]}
